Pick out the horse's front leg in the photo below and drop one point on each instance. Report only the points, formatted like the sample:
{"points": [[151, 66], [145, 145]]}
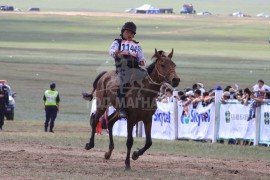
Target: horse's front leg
{"points": [[93, 124], [129, 145], [112, 119], [148, 141]]}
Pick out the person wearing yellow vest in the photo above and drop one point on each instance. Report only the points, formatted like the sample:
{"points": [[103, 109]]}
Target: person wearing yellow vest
{"points": [[51, 102]]}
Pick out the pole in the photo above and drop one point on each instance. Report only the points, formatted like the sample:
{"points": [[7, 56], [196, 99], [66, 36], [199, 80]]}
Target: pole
{"points": [[218, 95], [175, 113], [257, 125]]}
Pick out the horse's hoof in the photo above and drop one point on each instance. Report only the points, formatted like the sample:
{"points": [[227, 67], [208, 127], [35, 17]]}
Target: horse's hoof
{"points": [[135, 155], [127, 169], [88, 146], [107, 155]]}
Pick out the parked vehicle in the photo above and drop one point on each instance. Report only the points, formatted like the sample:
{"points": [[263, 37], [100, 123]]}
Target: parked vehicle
{"points": [[9, 114], [33, 9], [204, 13], [187, 9], [6, 8]]}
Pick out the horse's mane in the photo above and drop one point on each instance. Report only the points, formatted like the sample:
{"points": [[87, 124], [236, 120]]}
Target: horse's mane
{"points": [[151, 67]]}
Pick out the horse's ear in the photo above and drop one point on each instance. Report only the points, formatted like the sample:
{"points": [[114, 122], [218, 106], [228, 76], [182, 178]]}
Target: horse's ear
{"points": [[157, 54], [171, 54]]}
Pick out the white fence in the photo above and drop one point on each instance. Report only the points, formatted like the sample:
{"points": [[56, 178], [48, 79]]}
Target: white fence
{"points": [[215, 122]]}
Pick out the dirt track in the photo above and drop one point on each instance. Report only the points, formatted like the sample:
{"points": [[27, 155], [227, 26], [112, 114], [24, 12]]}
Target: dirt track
{"points": [[39, 161]]}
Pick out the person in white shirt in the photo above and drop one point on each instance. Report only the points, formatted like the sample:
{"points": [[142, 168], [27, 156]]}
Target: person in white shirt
{"points": [[128, 55]]}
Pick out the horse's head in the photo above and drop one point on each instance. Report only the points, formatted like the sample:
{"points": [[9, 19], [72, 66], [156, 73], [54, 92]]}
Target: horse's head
{"points": [[165, 68]]}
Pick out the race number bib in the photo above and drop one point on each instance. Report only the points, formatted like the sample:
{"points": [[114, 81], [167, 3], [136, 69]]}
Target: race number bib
{"points": [[129, 48]]}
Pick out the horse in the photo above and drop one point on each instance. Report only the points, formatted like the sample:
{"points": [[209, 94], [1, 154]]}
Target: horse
{"points": [[141, 102]]}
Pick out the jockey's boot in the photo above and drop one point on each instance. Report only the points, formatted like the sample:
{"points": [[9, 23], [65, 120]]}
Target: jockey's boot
{"points": [[45, 129], [123, 109], [122, 105], [123, 113]]}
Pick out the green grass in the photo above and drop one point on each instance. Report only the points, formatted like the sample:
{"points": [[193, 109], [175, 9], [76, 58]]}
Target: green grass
{"points": [[71, 50]]}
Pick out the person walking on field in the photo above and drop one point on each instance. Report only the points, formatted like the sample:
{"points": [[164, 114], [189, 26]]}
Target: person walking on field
{"points": [[4, 100], [52, 103]]}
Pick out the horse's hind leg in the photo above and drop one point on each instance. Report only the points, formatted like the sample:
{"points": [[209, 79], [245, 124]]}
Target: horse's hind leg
{"points": [[148, 141], [94, 120], [129, 144], [112, 119]]}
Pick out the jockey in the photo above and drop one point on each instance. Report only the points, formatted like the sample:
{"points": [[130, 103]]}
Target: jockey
{"points": [[127, 54]]}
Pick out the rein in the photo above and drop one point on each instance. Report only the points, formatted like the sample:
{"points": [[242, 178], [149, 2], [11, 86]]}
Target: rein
{"points": [[159, 74]]}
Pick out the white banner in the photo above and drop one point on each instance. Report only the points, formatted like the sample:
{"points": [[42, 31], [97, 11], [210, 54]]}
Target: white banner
{"points": [[196, 123], [162, 122], [265, 124], [120, 126], [233, 122]]}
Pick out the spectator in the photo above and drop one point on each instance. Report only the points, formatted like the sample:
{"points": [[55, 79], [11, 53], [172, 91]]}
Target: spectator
{"points": [[227, 88], [259, 89], [258, 93], [162, 93], [187, 89], [266, 99], [197, 98], [184, 101], [194, 87], [169, 96], [245, 97], [225, 98], [207, 99], [4, 100], [200, 87], [180, 94], [232, 94]]}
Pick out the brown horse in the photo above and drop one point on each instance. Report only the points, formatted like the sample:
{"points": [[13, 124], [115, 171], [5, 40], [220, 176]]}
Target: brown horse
{"points": [[141, 101]]}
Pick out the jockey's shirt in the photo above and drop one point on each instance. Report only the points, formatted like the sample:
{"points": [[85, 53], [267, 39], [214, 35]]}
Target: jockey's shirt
{"points": [[127, 48]]}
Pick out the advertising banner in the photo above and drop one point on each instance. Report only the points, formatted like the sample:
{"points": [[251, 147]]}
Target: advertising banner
{"points": [[233, 122], [196, 123], [265, 124], [162, 122]]}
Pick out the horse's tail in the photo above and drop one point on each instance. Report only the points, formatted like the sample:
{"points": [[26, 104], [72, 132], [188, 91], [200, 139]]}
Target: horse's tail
{"points": [[89, 97]]}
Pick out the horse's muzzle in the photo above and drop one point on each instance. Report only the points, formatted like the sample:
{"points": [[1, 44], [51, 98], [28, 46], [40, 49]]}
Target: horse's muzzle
{"points": [[175, 82]]}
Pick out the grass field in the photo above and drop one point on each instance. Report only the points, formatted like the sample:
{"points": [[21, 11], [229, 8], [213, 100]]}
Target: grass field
{"points": [[70, 50]]}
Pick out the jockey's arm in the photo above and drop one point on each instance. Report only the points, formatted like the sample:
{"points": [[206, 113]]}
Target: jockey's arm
{"points": [[114, 50]]}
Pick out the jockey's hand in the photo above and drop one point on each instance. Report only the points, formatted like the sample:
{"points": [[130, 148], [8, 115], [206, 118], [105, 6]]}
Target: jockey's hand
{"points": [[142, 63], [116, 54]]}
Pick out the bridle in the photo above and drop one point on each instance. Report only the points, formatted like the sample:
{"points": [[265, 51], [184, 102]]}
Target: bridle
{"points": [[160, 75]]}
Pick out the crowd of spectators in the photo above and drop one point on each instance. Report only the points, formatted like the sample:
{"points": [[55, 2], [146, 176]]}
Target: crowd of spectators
{"points": [[249, 97], [252, 97]]}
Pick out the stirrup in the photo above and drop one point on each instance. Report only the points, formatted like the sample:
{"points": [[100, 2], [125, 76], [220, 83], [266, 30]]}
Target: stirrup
{"points": [[122, 113]]}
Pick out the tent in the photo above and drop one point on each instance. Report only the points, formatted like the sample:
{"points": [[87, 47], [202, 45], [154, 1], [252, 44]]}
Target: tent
{"points": [[147, 9]]}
